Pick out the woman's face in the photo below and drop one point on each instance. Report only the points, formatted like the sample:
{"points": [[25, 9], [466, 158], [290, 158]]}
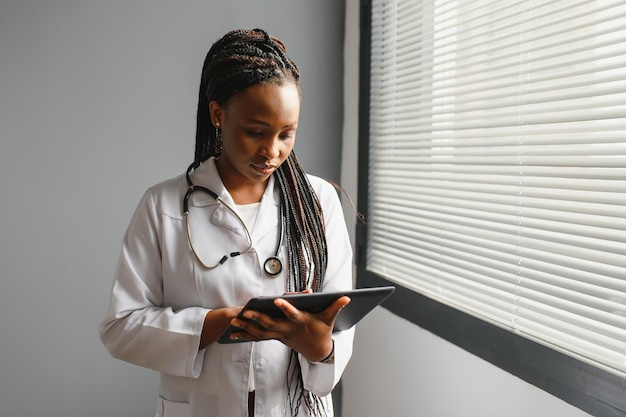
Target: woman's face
{"points": [[258, 129]]}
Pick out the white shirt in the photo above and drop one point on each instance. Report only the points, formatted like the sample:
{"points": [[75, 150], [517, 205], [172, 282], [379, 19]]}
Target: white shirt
{"points": [[161, 294], [248, 213]]}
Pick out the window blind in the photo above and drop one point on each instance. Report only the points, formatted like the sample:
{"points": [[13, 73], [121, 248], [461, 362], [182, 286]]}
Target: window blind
{"points": [[497, 164]]}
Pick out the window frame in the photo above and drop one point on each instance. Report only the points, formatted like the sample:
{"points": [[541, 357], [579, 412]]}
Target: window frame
{"points": [[593, 390]]}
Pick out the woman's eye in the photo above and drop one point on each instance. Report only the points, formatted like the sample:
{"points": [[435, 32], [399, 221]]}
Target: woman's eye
{"points": [[254, 133]]}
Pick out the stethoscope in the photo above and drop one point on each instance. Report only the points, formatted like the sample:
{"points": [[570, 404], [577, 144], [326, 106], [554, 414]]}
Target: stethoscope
{"points": [[272, 265]]}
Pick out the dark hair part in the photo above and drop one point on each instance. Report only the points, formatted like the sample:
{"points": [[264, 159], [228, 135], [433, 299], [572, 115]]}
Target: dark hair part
{"points": [[238, 60]]}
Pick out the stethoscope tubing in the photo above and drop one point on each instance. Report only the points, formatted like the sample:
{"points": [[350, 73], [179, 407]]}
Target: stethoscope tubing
{"points": [[272, 265]]}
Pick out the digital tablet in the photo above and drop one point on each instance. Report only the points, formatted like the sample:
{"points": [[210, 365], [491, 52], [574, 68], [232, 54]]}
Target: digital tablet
{"points": [[363, 300]]}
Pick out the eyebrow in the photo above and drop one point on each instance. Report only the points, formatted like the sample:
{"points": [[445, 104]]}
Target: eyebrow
{"points": [[260, 122]]}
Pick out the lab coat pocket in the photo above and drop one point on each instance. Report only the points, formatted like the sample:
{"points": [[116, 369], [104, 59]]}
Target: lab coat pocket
{"points": [[172, 409]]}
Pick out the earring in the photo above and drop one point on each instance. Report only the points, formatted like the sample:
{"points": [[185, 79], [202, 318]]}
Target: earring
{"points": [[217, 151]]}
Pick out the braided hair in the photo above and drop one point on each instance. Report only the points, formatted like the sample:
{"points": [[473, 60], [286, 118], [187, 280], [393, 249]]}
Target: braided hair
{"points": [[238, 60]]}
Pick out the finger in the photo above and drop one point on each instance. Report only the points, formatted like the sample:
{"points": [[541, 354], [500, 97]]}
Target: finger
{"points": [[307, 291], [249, 328], [261, 324], [240, 332], [242, 335], [329, 315], [288, 309]]}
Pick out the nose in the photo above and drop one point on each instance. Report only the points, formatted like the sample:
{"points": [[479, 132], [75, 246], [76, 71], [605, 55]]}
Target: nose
{"points": [[271, 147]]}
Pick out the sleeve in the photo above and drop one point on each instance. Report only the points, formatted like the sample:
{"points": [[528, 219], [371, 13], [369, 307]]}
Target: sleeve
{"points": [[137, 327], [321, 378]]}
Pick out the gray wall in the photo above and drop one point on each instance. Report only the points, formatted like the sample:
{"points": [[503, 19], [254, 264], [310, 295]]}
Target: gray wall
{"points": [[97, 102]]}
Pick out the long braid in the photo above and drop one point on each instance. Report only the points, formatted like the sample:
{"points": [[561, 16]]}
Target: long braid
{"points": [[238, 60], [304, 218]]}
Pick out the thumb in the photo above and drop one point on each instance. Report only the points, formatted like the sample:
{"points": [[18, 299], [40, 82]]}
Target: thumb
{"points": [[330, 314]]}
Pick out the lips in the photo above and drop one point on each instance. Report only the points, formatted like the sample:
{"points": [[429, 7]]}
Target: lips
{"points": [[263, 169]]}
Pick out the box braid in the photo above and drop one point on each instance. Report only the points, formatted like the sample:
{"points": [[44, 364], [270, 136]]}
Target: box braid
{"points": [[238, 60]]}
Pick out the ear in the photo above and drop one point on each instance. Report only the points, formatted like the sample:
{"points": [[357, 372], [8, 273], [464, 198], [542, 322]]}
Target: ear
{"points": [[217, 113]]}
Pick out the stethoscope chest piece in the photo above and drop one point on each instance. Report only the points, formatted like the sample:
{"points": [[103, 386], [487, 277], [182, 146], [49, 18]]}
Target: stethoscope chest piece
{"points": [[273, 266]]}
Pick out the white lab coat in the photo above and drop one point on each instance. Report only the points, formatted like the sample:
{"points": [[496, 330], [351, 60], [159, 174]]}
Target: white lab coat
{"points": [[161, 294]]}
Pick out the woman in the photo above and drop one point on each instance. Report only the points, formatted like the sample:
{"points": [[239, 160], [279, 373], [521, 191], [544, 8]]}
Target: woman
{"points": [[244, 221]]}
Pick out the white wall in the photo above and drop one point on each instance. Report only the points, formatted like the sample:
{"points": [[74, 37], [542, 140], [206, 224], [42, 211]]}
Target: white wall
{"points": [[97, 102], [399, 369]]}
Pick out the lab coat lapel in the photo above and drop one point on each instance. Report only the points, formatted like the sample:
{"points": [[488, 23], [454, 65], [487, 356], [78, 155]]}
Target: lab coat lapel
{"points": [[207, 176]]}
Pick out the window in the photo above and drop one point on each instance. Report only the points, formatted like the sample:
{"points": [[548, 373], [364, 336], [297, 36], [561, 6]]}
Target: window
{"points": [[494, 149]]}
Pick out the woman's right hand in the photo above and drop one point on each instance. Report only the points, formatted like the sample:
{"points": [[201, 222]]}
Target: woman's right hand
{"points": [[215, 322]]}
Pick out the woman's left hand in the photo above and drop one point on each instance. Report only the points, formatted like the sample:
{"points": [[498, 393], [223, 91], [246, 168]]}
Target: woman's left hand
{"points": [[306, 333]]}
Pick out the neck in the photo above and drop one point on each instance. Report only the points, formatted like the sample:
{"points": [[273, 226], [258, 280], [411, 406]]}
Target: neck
{"points": [[241, 189], [246, 195]]}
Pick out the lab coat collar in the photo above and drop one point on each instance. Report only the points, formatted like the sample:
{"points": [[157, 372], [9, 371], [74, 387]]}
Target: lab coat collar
{"points": [[206, 175]]}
